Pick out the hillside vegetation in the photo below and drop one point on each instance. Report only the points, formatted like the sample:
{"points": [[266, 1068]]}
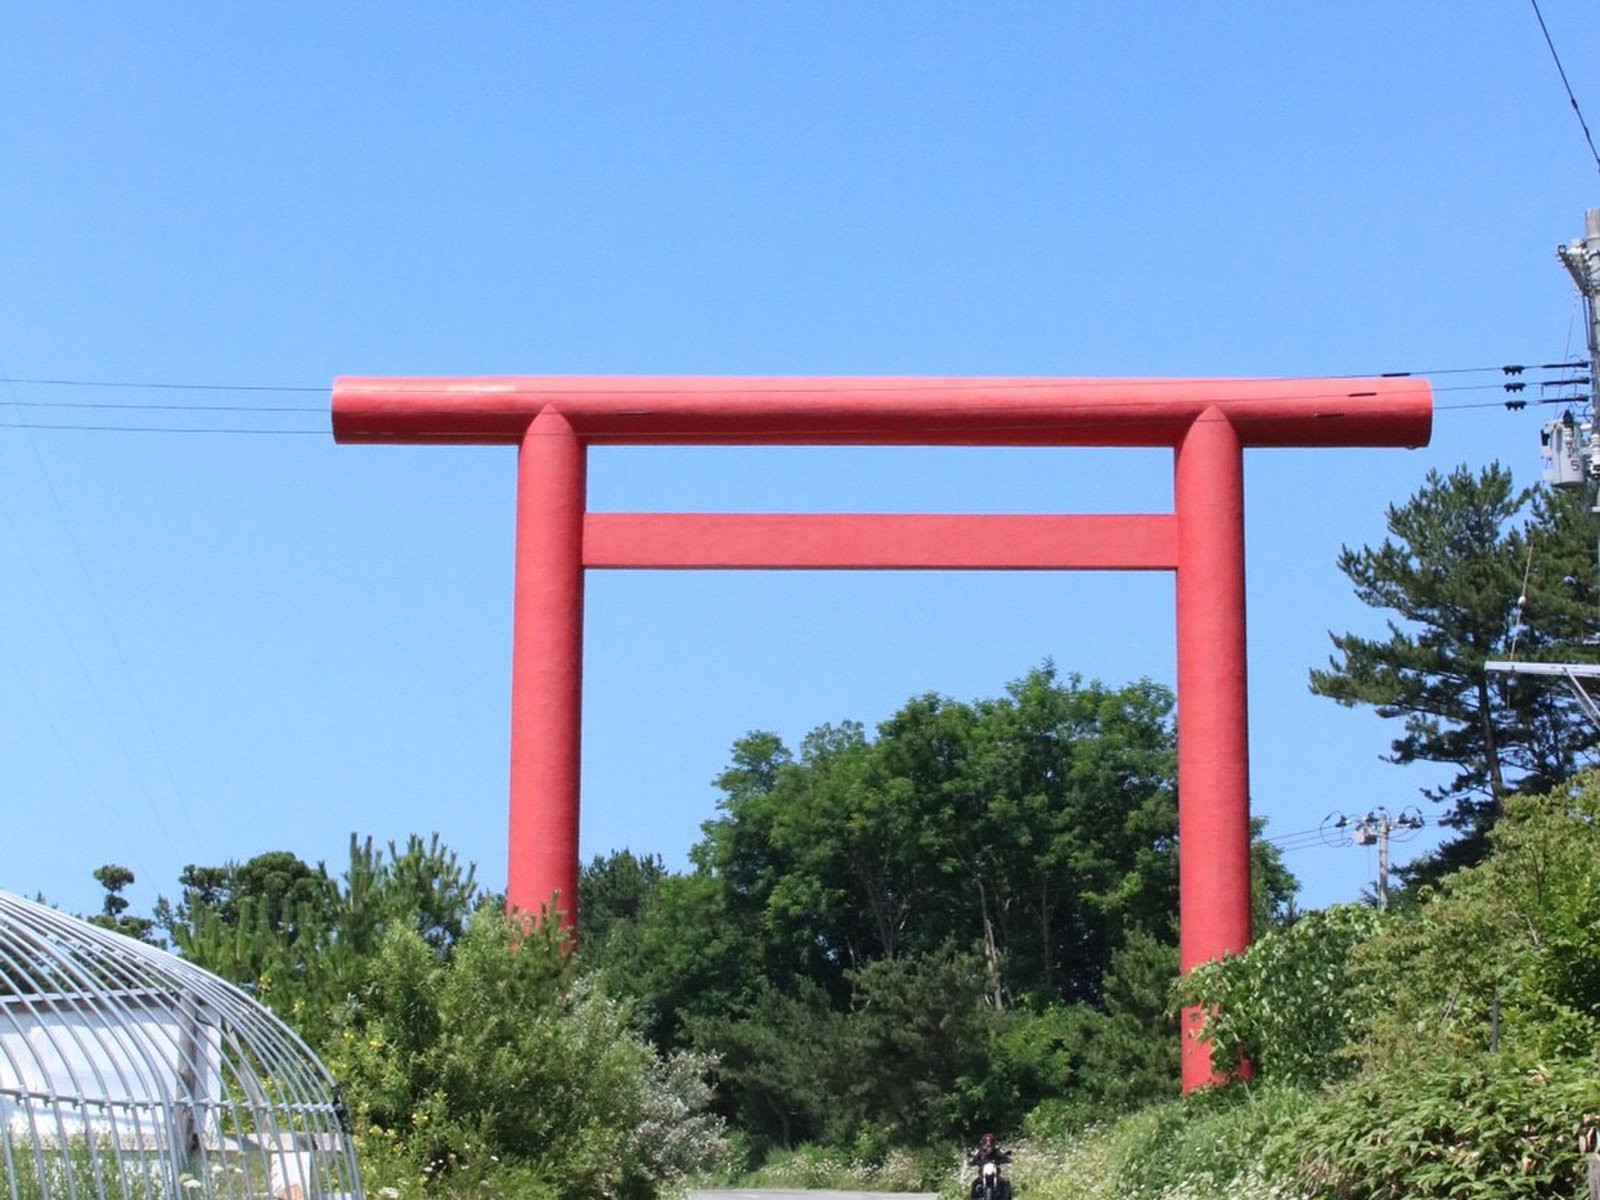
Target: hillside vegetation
{"points": [[1446, 1047], [889, 942]]}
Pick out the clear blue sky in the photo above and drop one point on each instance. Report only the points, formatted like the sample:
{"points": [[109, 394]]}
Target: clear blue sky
{"points": [[216, 645]]}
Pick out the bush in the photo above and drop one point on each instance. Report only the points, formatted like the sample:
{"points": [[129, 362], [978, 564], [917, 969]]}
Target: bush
{"points": [[892, 1170], [463, 1071], [1508, 951], [1291, 1002], [1488, 1126]]}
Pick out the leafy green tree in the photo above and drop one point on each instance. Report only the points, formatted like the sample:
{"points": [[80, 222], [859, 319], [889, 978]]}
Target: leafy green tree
{"points": [[1506, 953], [1501, 1125], [1292, 1003], [304, 942], [494, 1060], [1452, 1041], [1080, 826], [1460, 555], [981, 896], [1037, 827], [1130, 1055], [613, 893], [921, 1040], [113, 914], [424, 887], [687, 958], [778, 1063], [274, 892]]}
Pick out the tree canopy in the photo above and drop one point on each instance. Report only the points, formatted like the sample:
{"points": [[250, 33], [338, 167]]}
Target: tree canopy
{"points": [[941, 924], [1474, 570]]}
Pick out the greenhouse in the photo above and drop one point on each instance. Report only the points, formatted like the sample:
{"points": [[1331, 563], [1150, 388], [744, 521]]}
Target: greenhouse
{"points": [[129, 1074]]}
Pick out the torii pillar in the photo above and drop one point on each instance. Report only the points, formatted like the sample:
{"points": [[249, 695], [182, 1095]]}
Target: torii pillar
{"points": [[1208, 423]]}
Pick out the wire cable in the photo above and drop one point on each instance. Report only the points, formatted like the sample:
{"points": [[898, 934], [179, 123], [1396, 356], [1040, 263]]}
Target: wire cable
{"points": [[309, 389], [227, 408], [162, 429], [163, 385], [129, 680], [1562, 71], [801, 386]]}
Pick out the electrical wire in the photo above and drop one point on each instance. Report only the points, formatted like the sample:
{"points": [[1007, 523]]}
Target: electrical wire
{"points": [[163, 385], [800, 387], [100, 705], [423, 385], [1310, 839], [162, 429], [1522, 597], [228, 408], [1562, 71], [129, 680]]}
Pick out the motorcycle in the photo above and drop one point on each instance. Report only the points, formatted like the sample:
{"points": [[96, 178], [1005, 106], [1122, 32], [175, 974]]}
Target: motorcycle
{"points": [[990, 1183]]}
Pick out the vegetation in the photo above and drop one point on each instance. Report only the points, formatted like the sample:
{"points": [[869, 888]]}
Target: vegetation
{"points": [[904, 939], [1474, 571], [965, 920], [114, 914]]}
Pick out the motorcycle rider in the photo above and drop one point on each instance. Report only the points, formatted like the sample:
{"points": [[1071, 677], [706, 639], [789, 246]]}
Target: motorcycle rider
{"points": [[990, 1151]]}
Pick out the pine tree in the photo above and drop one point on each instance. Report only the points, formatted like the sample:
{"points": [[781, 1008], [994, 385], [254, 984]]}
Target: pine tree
{"points": [[1474, 571]]}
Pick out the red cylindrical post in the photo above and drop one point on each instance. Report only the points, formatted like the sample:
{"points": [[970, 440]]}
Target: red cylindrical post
{"points": [[547, 671], [1213, 739]]}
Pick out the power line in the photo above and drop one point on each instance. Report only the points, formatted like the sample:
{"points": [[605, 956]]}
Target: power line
{"points": [[230, 408], [163, 385], [1562, 71], [185, 386], [1508, 371], [162, 429], [116, 646]]}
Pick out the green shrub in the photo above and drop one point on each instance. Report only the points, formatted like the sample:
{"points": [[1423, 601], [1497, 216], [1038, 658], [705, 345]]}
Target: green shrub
{"points": [[1489, 1125], [465, 1071], [1508, 951], [1291, 1003], [892, 1170]]}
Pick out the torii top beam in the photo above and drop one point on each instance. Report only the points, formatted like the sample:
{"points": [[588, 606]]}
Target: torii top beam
{"points": [[645, 410]]}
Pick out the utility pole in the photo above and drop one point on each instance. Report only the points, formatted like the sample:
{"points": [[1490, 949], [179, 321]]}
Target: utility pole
{"points": [[1570, 446], [1582, 260], [1376, 827]]}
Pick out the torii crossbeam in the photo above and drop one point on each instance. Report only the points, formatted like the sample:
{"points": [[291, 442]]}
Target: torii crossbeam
{"points": [[1207, 422]]}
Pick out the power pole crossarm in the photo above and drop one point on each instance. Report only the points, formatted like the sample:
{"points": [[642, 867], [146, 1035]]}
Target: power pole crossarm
{"points": [[1582, 260], [1572, 448], [1573, 673]]}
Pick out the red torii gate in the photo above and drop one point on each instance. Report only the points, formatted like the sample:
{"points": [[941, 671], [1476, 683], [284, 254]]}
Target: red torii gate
{"points": [[1207, 422]]}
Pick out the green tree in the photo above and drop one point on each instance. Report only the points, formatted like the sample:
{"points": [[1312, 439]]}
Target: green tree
{"points": [[275, 891], [1506, 952], [1460, 554], [1036, 827], [1130, 1054], [778, 1063], [687, 958], [613, 893], [1291, 1003], [493, 1061], [304, 942], [113, 914]]}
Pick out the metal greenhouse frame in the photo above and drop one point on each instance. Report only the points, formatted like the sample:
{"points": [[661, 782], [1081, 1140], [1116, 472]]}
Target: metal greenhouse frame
{"points": [[127, 1073]]}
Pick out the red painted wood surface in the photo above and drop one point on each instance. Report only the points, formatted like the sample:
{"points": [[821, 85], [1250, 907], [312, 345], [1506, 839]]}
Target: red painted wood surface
{"points": [[639, 410], [547, 672], [723, 541], [1213, 718]]}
